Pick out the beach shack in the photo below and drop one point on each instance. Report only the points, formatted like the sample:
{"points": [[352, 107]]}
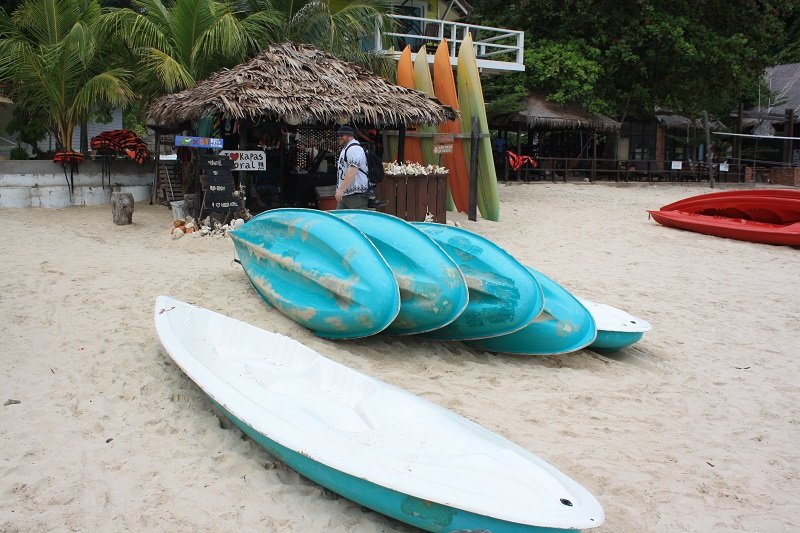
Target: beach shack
{"points": [[557, 139], [276, 116]]}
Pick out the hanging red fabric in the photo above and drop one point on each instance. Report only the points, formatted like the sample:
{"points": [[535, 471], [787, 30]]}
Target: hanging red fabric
{"points": [[516, 161]]}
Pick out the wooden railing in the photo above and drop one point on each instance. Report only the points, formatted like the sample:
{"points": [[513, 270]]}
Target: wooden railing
{"points": [[564, 169]]}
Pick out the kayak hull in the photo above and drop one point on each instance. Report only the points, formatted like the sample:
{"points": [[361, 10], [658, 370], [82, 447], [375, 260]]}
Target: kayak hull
{"points": [[433, 291], [376, 444], [319, 271], [564, 326], [503, 295], [731, 228]]}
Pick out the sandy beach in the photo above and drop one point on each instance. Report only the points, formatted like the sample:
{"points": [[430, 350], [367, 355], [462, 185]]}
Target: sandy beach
{"points": [[694, 428]]}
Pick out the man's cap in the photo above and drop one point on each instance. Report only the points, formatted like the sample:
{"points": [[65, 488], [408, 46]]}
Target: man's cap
{"points": [[346, 130]]}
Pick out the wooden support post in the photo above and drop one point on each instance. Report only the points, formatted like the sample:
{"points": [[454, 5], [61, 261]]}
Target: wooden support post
{"points": [[401, 144], [737, 141], [244, 127], [198, 193], [473, 170], [519, 148], [154, 190], [594, 157], [788, 131], [709, 155]]}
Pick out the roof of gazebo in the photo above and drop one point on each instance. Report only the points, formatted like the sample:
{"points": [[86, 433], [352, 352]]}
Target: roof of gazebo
{"points": [[542, 114], [299, 83]]}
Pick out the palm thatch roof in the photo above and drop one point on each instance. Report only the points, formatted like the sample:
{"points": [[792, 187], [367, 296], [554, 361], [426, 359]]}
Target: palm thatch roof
{"points": [[541, 114], [299, 84]]}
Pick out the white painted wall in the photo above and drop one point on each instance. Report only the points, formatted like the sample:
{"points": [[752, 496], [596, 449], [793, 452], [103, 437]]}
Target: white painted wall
{"points": [[9, 141]]}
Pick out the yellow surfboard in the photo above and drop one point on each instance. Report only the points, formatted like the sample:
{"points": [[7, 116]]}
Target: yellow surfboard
{"points": [[423, 82], [470, 97]]}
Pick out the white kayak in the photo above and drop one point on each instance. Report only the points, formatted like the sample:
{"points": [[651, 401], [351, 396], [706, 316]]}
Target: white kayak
{"points": [[616, 329], [371, 442]]}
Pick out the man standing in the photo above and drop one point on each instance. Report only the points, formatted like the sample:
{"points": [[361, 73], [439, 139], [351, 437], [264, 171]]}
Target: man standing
{"points": [[352, 183]]}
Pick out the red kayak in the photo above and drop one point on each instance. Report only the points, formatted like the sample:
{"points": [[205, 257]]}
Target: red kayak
{"points": [[770, 216], [731, 228], [776, 206]]}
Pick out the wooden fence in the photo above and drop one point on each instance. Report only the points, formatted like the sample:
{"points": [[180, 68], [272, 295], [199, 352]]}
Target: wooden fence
{"points": [[563, 169]]}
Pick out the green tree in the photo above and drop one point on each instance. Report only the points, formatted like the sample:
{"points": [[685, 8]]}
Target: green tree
{"points": [[30, 125], [177, 44], [337, 26], [787, 50], [648, 54], [57, 64]]}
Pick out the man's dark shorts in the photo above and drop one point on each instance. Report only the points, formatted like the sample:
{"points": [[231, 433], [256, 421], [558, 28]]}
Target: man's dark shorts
{"points": [[354, 201]]}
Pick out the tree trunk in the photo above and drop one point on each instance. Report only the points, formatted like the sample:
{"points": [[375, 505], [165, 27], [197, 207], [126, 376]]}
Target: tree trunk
{"points": [[122, 208]]}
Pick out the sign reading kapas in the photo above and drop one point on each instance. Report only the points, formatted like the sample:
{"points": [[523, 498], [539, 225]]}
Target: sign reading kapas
{"points": [[247, 160]]}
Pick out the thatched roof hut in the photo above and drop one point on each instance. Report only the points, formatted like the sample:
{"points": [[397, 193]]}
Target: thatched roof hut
{"points": [[299, 84], [541, 114]]}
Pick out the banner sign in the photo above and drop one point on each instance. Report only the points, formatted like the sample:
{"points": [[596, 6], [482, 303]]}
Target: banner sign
{"points": [[247, 160], [677, 165], [443, 149], [198, 142], [218, 183]]}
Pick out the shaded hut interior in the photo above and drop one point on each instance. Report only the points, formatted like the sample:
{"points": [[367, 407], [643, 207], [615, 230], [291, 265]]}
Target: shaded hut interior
{"points": [[288, 102], [560, 138]]}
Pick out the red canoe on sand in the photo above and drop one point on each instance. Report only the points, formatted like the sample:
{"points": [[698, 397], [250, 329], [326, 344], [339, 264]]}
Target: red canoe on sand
{"points": [[731, 228], [776, 206], [770, 216]]}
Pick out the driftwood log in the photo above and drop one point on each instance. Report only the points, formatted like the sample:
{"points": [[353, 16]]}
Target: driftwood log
{"points": [[122, 208]]}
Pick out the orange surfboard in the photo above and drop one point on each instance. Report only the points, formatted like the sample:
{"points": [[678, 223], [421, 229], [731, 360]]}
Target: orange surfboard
{"points": [[444, 85], [405, 78]]}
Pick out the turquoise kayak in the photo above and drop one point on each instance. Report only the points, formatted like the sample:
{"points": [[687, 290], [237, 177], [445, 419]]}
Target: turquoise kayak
{"points": [[503, 295], [319, 271], [563, 326], [433, 292]]}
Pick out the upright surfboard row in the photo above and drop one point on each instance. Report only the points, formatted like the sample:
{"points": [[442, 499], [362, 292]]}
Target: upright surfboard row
{"points": [[466, 97]]}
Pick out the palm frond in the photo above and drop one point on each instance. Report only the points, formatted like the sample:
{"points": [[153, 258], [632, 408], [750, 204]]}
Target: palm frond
{"points": [[189, 20], [111, 86], [224, 37], [264, 28], [172, 73], [135, 29]]}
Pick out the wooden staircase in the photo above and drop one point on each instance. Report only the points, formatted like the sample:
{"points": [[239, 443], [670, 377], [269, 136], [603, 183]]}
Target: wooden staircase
{"points": [[170, 183]]}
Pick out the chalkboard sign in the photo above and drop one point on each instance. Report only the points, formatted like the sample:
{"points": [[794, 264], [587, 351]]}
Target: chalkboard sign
{"points": [[218, 183]]}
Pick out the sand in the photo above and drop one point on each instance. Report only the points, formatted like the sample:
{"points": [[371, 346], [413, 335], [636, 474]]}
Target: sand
{"points": [[694, 428]]}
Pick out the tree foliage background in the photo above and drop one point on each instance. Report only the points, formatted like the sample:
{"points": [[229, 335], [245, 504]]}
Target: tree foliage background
{"points": [[627, 59]]}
